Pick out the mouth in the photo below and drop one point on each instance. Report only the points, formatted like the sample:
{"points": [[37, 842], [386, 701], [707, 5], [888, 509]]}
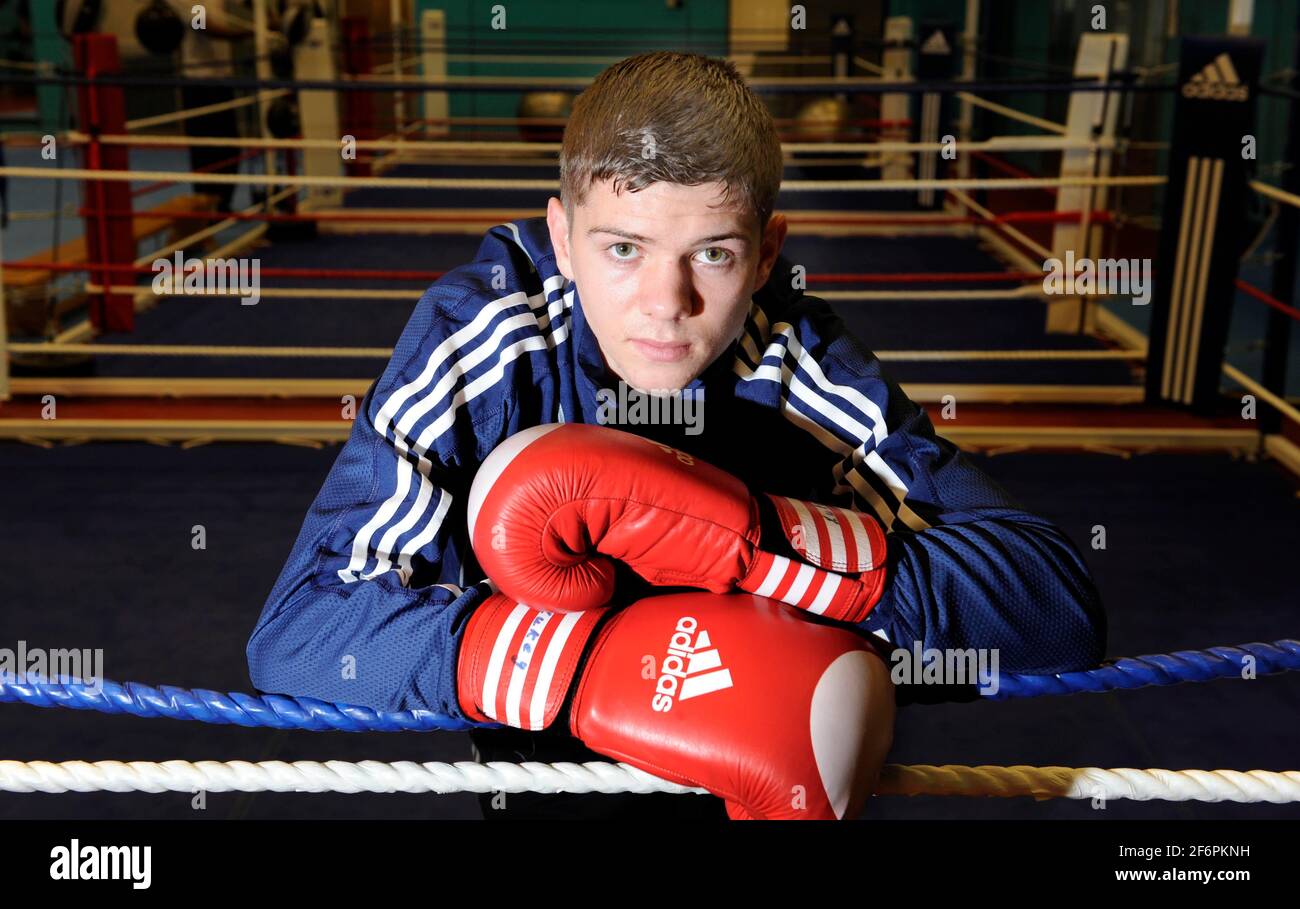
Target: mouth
{"points": [[660, 351]]}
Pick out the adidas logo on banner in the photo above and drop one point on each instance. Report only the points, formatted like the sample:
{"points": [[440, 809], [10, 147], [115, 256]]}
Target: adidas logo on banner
{"points": [[691, 669], [1217, 82], [936, 44]]}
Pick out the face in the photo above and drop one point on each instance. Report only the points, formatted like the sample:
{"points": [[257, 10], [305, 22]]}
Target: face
{"points": [[665, 275]]}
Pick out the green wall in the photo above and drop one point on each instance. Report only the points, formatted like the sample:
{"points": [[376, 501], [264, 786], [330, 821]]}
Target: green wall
{"points": [[555, 29]]}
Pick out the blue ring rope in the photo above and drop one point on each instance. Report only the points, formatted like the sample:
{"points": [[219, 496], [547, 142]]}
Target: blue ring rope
{"points": [[278, 711]]}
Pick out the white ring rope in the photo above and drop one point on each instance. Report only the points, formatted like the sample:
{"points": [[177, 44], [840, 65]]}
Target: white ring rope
{"points": [[306, 293], [1026, 291], [1246, 382], [328, 776], [1028, 242], [1094, 782], [192, 112], [1273, 192], [500, 776], [995, 143], [135, 176], [1013, 114]]}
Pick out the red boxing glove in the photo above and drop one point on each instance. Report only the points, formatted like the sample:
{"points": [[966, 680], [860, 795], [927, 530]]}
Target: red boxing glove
{"points": [[781, 717], [516, 663], [551, 503]]}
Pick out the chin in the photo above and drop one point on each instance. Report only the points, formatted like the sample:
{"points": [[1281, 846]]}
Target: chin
{"points": [[659, 378]]}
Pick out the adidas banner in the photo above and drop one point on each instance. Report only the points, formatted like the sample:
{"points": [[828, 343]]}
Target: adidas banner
{"points": [[1204, 219]]}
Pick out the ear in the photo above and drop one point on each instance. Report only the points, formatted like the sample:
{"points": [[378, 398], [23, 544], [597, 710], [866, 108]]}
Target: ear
{"points": [[770, 247], [557, 222]]}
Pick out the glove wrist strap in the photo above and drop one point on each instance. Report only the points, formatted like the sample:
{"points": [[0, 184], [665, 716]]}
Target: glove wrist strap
{"points": [[517, 663]]}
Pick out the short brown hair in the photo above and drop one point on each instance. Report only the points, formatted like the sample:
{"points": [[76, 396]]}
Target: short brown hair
{"points": [[669, 117]]}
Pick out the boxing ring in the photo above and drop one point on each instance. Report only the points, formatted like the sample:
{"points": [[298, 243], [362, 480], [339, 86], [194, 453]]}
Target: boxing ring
{"points": [[1081, 193]]}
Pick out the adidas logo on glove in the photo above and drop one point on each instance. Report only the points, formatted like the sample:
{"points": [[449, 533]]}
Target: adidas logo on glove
{"points": [[691, 669]]}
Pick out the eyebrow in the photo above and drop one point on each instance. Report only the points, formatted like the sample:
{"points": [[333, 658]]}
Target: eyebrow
{"points": [[638, 238]]}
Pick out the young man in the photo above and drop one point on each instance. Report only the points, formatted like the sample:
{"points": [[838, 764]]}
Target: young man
{"points": [[658, 271]]}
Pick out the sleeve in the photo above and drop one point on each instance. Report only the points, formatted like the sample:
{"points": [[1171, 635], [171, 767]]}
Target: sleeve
{"points": [[368, 609], [968, 567]]}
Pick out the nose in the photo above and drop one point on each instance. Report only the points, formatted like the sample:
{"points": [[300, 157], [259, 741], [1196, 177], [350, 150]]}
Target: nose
{"points": [[666, 293]]}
